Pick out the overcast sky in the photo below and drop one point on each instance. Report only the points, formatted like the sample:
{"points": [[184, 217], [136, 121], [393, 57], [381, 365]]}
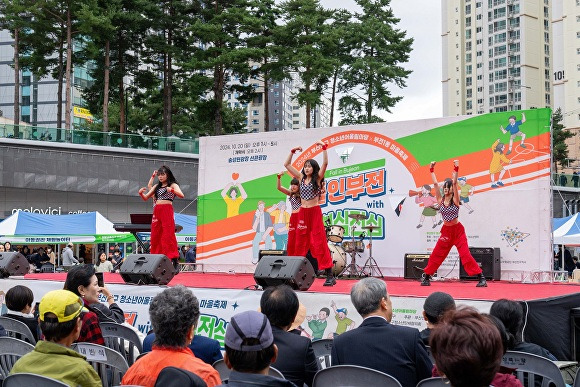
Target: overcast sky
{"points": [[422, 21]]}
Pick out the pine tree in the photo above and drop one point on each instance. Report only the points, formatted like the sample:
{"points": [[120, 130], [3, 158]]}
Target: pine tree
{"points": [[378, 51], [559, 136]]}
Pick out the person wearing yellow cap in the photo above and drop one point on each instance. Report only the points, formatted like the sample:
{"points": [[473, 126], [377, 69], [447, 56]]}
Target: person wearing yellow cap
{"points": [[59, 312]]}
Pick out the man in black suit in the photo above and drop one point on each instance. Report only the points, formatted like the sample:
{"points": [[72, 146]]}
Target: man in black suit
{"points": [[376, 343], [296, 358]]}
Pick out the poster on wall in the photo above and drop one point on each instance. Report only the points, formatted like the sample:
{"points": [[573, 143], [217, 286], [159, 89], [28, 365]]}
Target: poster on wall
{"points": [[382, 171]]}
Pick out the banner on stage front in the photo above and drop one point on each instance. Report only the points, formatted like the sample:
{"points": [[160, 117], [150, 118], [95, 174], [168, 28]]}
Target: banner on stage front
{"points": [[382, 171]]}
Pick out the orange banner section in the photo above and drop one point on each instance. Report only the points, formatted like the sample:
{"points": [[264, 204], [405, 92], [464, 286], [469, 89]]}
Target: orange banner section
{"points": [[363, 137]]}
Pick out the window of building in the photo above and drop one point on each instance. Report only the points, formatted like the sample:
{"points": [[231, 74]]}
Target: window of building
{"points": [[468, 46], [468, 21], [469, 105], [468, 57], [469, 93], [548, 99], [276, 85], [295, 122], [255, 113], [255, 122], [276, 94], [276, 121], [468, 7], [468, 34], [276, 103], [547, 37], [468, 70]]}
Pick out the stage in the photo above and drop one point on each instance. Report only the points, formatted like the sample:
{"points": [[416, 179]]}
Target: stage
{"points": [[547, 306], [397, 287]]}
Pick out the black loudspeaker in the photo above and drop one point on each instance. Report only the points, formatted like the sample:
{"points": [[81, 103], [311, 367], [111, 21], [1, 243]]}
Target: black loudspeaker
{"points": [[414, 265], [147, 269], [296, 272], [488, 258], [13, 263]]}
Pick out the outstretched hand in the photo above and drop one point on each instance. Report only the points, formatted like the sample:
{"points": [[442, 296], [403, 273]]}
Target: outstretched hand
{"points": [[456, 163], [296, 149], [432, 164]]}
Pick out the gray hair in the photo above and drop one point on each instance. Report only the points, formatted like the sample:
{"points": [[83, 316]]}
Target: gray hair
{"points": [[173, 312], [366, 295]]}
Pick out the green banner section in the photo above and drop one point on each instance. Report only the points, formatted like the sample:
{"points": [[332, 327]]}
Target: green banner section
{"points": [[355, 168], [264, 188], [472, 135]]}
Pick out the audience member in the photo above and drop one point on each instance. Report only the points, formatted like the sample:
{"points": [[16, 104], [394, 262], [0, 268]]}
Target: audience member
{"points": [[68, 258], [467, 348], [2, 250], [378, 344], [19, 301], [204, 348], [174, 314], [60, 323], [8, 247], [434, 307], [504, 377], [569, 264], [51, 255], [250, 350], [82, 281], [103, 265], [296, 358], [511, 315]]}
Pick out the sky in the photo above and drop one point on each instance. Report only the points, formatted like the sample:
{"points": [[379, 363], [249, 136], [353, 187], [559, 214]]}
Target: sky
{"points": [[422, 98]]}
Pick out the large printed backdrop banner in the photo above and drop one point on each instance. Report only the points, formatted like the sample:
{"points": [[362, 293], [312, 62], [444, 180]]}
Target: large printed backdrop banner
{"points": [[382, 170]]}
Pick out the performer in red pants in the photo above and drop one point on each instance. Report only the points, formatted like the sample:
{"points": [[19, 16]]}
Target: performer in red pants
{"points": [[295, 201], [452, 231], [163, 239], [310, 231]]}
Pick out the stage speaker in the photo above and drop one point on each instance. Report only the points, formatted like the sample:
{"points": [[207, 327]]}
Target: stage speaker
{"points": [[414, 265], [296, 272], [147, 269], [488, 258], [263, 253], [13, 263]]}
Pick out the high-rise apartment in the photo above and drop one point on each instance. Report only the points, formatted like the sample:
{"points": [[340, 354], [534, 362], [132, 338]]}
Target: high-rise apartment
{"points": [[566, 66], [497, 55]]}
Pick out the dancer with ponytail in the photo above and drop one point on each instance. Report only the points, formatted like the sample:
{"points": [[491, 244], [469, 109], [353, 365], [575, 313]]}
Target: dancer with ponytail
{"points": [[452, 231], [310, 231], [163, 239]]}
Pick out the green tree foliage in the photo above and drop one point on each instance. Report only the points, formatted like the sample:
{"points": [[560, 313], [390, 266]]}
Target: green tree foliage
{"points": [[303, 38], [378, 50], [559, 136]]}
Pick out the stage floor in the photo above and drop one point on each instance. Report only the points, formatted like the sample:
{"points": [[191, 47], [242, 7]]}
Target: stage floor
{"points": [[397, 287]]}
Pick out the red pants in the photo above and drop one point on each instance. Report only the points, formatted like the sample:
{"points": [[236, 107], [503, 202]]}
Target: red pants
{"points": [[163, 239], [291, 246], [311, 235], [452, 236]]}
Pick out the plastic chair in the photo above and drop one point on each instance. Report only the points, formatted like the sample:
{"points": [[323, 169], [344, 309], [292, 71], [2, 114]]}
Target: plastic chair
{"points": [[275, 373], [322, 349], [577, 378], [109, 364], [528, 366], [17, 329], [11, 350], [26, 379], [123, 340], [428, 348], [432, 382], [353, 376]]}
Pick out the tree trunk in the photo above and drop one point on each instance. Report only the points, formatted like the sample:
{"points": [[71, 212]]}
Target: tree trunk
{"points": [[218, 89], [59, 88], [16, 83], [68, 74], [165, 83], [106, 88], [369, 104], [266, 101], [122, 117], [333, 98], [169, 95]]}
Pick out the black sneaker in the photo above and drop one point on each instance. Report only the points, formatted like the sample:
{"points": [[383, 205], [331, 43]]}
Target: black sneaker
{"points": [[482, 282], [426, 281], [330, 281]]}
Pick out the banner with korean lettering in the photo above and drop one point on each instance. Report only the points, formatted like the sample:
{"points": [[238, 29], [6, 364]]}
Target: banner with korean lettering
{"points": [[327, 315], [382, 171]]}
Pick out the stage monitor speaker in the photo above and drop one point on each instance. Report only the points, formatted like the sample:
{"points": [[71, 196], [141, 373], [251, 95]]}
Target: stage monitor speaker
{"points": [[147, 269], [488, 258], [414, 265], [296, 272], [263, 253], [13, 263]]}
